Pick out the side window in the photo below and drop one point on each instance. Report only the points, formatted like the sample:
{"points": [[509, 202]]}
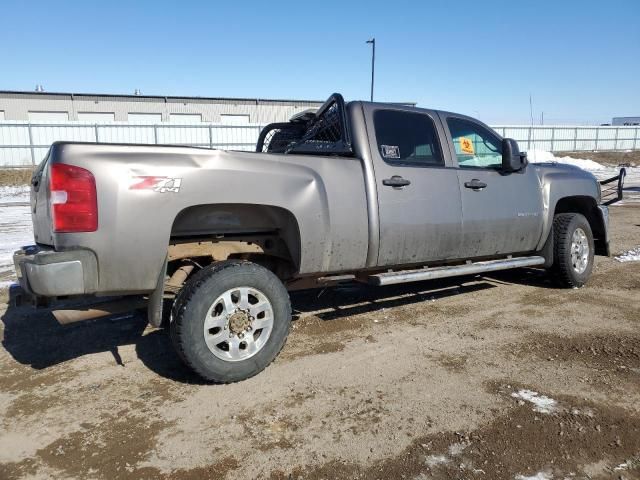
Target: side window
{"points": [[407, 138], [475, 145]]}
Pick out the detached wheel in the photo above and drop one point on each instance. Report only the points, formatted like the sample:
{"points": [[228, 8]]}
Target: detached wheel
{"points": [[573, 249], [230, 321]]}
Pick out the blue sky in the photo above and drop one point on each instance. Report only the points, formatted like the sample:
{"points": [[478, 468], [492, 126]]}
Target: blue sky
{"points": [[580, 60]]}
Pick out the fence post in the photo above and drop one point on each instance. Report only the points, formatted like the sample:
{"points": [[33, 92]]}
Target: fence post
{"points": [[210, 136], [597, 135], [553, 136], [155, 134], [95, 131], [529, 138], [33, 153], [635, 138], [575, 140], [615, 142]]}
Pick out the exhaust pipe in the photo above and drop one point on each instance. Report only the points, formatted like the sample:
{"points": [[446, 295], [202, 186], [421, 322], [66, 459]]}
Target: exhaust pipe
{"points": [[65, 317]]}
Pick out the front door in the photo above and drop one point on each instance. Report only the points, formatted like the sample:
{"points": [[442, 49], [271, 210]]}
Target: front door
{"points": [[417, 186], [501, 212]]}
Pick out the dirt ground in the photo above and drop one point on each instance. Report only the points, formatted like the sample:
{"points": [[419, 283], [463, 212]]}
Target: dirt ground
{"points": [[15, 176], [487, 377], [614, 159]]}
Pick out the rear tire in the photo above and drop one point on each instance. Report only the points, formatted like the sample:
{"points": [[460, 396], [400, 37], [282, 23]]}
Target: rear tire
{"points": [[573, 250], [230, 321]]}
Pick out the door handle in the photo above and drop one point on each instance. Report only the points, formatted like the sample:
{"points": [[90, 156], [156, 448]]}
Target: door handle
{"points": [[396, 181], [475, 184]]}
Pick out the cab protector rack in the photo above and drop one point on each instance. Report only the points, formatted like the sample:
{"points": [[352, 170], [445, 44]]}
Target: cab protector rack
{"points": [[324, 133], [613, 193]]}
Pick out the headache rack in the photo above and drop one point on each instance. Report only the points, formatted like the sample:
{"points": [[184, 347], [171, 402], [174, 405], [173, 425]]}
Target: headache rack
{"points": [[325, 132], [611, 188]]}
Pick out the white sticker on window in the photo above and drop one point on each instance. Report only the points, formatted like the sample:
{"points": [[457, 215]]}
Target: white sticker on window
{"points": [[390, 151]]}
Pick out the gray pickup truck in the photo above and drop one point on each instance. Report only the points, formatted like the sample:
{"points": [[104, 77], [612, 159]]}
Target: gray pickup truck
{"points": [[369, 192]]}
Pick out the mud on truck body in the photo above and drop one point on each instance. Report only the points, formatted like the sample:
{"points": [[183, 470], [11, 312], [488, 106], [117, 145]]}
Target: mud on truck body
{"points": [[377, 193]]}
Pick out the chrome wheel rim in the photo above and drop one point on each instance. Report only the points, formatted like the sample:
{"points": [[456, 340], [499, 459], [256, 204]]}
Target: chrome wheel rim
{"points": [[238, 324], [579, 250]]}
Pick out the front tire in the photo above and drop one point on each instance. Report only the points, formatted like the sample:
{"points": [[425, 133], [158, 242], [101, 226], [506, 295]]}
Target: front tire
{"points": [[573, 250], [230, 321]]}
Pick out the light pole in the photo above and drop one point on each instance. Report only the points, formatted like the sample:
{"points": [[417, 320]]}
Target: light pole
{"points": [[372, 41]]}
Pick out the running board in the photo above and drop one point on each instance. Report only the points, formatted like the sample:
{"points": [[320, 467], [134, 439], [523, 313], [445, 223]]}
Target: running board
{"points": [[405, 276]]}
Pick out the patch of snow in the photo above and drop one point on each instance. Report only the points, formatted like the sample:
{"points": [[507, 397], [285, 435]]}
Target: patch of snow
{"points": [[14, 193], [632, 255], [537, 476], [541, 403], [434, 460], [6, 284], [457, 448], [629, 464], [16, 231], [541, 156], [601, 172]]}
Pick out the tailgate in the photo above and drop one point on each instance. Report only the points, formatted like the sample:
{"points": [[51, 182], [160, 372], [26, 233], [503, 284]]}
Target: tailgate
{"points": [[40, 211]]}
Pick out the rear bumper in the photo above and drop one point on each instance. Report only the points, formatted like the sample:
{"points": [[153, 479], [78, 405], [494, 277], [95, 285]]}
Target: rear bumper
{"points": [[47, 273]]}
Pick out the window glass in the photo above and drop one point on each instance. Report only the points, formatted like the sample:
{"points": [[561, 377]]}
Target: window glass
{"points": [[96, 117], [228, 119], [475, 145], [48, 116], [147, 118], [185, 118], [407, 138]]}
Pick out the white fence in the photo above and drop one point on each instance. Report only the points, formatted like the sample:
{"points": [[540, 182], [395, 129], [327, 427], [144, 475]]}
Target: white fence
{"points": [[566, 138], [25, 144]]}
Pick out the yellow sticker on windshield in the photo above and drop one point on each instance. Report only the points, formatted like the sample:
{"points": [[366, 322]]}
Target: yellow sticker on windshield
{"points": [[466, 146]]}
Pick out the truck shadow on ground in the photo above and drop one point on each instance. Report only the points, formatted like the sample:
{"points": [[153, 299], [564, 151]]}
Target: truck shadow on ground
{"points": [[33, 337], [334, 303]]}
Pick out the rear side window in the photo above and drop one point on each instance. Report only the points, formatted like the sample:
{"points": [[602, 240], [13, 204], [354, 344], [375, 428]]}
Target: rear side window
{"points": [[407, 138]]}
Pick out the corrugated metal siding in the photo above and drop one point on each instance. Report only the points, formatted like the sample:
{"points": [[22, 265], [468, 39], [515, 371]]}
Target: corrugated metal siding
{"points": [[17, 105]]}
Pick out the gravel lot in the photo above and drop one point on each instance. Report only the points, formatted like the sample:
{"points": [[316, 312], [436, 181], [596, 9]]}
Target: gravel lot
{"points": [[482, 377]]}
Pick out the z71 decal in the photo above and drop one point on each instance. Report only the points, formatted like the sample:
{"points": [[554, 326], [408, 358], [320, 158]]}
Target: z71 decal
{"points": [[157, 184]]}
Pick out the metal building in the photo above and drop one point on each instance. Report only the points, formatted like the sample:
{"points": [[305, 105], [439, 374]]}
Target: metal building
{"points": [[625, 121], [38, 107]]}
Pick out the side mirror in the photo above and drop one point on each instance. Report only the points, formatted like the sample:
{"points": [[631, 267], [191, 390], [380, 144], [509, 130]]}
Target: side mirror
{"points": [[512, 159]]}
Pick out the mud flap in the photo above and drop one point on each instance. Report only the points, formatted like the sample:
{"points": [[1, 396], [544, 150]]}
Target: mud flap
{"points": [[154, 307], [547, 250]]}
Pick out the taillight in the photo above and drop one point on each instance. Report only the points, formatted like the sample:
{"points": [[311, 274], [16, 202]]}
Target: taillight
{"points": [[74, 203]]}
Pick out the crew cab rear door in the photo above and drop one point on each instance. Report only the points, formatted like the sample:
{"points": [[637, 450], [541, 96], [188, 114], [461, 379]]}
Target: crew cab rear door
{"points": [[420, 215], [502, 212]]}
